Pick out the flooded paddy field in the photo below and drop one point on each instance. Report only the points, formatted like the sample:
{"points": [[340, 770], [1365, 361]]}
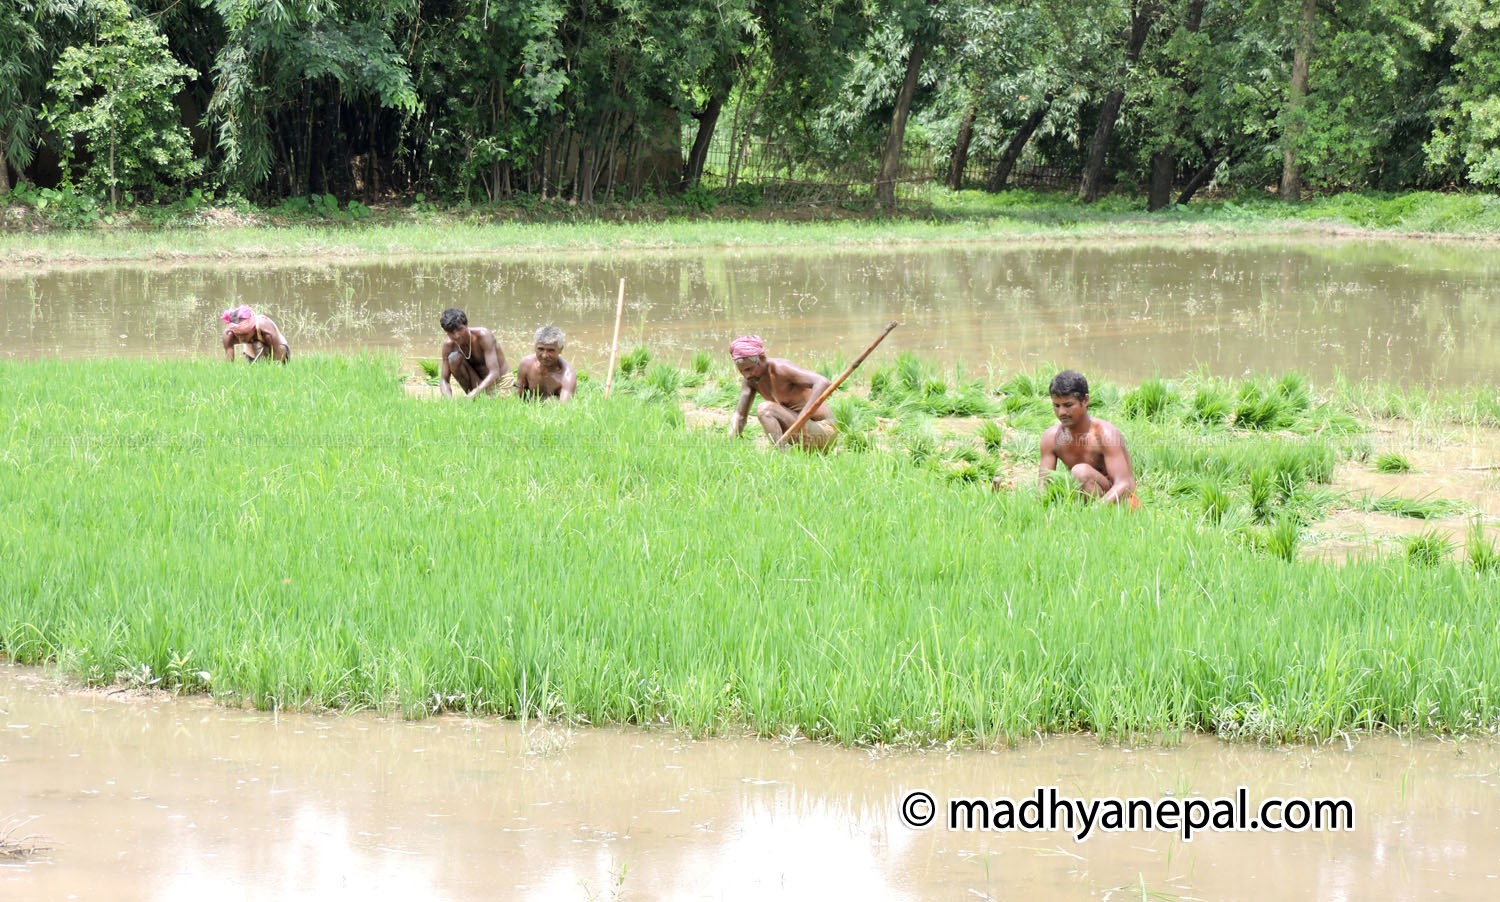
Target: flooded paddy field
{"points": [[141, 795], [1383, 310]]}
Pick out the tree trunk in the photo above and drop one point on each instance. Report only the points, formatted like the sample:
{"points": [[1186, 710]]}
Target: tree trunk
{"points": [[1296, 105], [960, 159], [1163, 171], [1164, 162], [708, 120], [1200, 178], [890, 159], [1013, 148], [4, 172], [1093, 172]]}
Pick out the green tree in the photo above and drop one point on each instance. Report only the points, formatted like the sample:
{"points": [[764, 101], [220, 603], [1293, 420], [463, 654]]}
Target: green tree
{"points": [[1466, 142], [285, 77], [23, 79], [114, 106]]}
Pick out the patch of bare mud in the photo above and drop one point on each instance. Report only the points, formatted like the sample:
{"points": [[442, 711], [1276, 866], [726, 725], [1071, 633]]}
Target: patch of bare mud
{"points": [[1459, 464]]}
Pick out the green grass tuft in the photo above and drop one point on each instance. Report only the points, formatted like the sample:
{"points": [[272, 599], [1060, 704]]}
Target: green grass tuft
{"points": [[1392, 463]]}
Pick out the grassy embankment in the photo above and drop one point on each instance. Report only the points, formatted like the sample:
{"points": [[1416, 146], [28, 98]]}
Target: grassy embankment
{"points": [[311, 535], [425, 230]]}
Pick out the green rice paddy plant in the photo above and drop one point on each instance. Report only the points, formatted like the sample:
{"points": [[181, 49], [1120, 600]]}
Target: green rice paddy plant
{"points": [[910, 385], [635, 362], [1216, 502], [857, 422], [1211, 405], [340, 549], [1262, 490], [1256, 408], [1283, 538], [665, 379], [1415, 508], [991, 436], [1482, 554], [1428, 549], [1148, 401], [1392, 462], [717, 395]]}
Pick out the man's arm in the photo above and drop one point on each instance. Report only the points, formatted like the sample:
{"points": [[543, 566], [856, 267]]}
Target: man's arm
{"points": [[523, 376], [494, 363], [1049, 456], [229, 343], [445, 373], [741, 410], [569, 383], [1117, 467]]}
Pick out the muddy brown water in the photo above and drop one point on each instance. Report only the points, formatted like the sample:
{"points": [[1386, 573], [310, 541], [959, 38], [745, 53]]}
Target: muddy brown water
{"points": [[139, 796], [1390, 310]]}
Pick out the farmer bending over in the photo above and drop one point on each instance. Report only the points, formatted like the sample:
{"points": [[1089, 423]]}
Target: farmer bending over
{"points": [[1092, 450], [787, 388], [544, 374], [471, 356], [257, 332]]}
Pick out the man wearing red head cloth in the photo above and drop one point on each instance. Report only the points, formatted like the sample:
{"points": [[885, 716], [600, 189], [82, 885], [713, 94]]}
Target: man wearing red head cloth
{"points": [[787, 389], [257, 332]]}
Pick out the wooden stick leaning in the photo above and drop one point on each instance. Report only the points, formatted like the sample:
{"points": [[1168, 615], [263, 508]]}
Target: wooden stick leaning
{"points": [[833, 386], [614, 345]]}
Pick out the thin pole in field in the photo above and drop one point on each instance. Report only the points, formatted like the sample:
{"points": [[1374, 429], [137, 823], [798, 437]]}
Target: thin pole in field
{"points": [[614, 345], [833, 386]]}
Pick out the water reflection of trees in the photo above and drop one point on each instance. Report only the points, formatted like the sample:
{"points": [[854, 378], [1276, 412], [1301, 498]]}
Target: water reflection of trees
{"points": [[1389, 310]]}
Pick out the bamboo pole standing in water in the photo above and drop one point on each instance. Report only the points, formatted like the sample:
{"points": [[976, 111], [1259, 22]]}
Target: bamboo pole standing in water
{"points": [[614, 345]]}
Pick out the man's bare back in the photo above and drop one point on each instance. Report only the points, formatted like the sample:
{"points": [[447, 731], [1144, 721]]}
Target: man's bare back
{"points": [[257, 332]]}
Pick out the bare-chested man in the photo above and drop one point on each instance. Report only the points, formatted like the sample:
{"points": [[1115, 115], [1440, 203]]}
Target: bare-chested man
{"points": [[1092, 450], [543, 374], [470, 356], [787, 388], [257, 332]]}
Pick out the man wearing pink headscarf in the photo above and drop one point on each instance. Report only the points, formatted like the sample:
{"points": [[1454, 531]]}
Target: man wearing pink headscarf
{"points": [[257, 332], [787, 389]]}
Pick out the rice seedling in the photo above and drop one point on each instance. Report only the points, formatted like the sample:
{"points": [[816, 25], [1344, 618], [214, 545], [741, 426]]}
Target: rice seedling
{"points": [[1283, 538], [1428, 549], [1216, 502], [666, 379], [1149, 400], [635, 362], [1392, 462], [857, 422], [1482, 554], [991, 435], [1261, 486], [1256, 408], [1415, 508], [1211, 405], [341, 548]]}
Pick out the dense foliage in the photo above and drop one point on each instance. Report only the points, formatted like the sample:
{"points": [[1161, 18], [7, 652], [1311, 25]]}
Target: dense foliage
{"points": [[615, 99]]}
